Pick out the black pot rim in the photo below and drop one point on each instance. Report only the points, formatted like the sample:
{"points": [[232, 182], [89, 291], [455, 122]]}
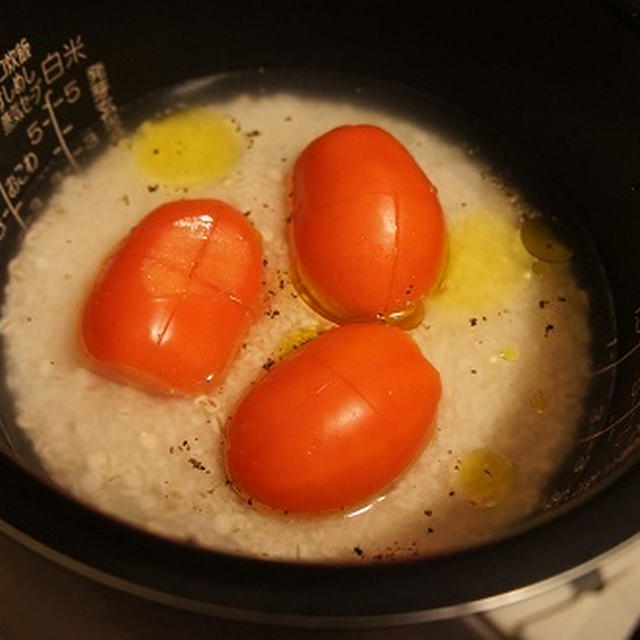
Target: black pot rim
{"points": [[407, 592]]}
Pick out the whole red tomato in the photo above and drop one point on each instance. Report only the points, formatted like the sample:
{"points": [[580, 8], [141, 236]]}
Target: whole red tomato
{"points": [[367, 228], [334, 423], [173, 302]]}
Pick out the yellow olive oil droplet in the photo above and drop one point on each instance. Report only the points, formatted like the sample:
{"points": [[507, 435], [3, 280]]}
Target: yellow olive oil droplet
{"points": [[539, 402], [510, 353], [296, 339], [409, 319], [188, 147], [484, 478], [578, 301], [541, 241], [312, 298], [439, 282], [540, 268], [486, 262]]}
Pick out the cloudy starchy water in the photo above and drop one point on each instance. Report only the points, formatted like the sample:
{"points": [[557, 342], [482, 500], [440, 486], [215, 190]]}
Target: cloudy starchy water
{"points": [[514, 362]]}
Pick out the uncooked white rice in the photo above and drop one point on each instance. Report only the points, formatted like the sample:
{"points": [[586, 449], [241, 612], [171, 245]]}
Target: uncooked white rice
{"points": [[156, 462]]}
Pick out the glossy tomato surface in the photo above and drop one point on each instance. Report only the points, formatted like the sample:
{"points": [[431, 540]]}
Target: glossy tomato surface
{"points": [[367, 227], [172, 303], [334, 423]]}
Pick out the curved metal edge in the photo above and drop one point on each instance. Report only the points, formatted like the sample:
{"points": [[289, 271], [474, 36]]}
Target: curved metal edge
{"points": [[316, 621]]}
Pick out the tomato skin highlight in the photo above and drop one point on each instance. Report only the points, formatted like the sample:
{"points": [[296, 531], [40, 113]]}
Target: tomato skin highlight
{"points": [[367, 229], [335, 422], [171, 305]]}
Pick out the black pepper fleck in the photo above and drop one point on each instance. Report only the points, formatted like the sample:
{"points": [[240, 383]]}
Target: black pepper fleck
{"points": [[358, 551], [268, 364], [548, 329], [473, 322], [152, 187]]}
